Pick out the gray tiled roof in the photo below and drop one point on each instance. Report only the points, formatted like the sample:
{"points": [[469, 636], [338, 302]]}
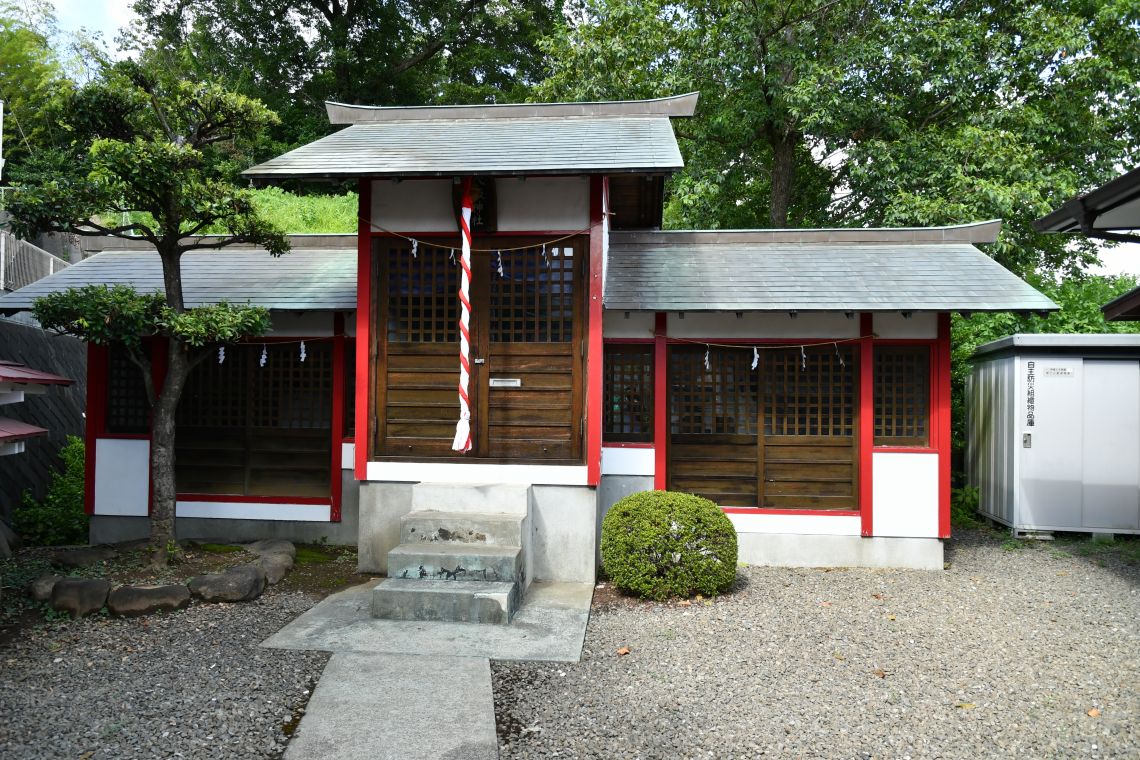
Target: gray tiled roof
{"points": [[728, 271], [481, 146], [318, 279]]}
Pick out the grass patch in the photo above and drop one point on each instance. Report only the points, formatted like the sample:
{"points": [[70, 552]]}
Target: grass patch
{"points": [[1013, 545], [219, 548], [1124, 549], [307, 555]]}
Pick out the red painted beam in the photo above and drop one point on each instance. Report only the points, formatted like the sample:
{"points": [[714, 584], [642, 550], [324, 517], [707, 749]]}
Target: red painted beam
{"points": [[363, 319], [594, 347], [660, 403], [943, 414], [866, 422]]}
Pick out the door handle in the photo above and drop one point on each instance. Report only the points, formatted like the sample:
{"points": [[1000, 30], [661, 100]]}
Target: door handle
{"points": [[478, 361]]}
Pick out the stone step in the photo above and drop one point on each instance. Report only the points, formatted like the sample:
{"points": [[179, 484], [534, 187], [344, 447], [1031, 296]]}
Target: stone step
{"points": [[434, 526], [448, 601], [471, 497], [452, 561]]}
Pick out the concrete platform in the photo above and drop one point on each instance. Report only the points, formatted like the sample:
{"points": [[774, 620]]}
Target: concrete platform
{"points": [[469, 602], [549, 627], [399, 707]]}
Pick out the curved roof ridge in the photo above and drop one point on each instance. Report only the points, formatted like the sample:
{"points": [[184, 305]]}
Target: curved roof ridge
{"points": [[680, 106]]}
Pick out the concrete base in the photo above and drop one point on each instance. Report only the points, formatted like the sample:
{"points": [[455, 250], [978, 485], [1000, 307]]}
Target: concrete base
{"points": [[613, 489], [563, 534], [381, 507], [456, 562], [793, 550], [448, 601], [113, 529], [399, 707]]}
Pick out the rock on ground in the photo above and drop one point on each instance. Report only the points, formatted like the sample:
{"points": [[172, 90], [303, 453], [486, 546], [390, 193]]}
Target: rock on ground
{"points": [[40, 588], [192, 684], [83, 557], [9, 541], [130, 601], [1002, 655], [237, 584], [272, 546], [276, 566], [79, 596]]}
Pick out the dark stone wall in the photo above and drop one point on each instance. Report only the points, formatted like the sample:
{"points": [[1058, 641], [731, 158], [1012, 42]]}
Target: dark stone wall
{"points": [[60, 410]]}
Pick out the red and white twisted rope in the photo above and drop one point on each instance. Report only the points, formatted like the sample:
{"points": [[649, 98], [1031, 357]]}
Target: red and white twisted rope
{"points": [[462, 440]]}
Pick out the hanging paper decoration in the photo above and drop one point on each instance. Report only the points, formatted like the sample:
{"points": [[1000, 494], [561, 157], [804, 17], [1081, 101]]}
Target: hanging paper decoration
{"points": [[303, 354], [221, 354], [803, 360], [755, 357], [462, 442], [415, 248], [839, 356], [264, 356], [499, 255], [545, 256], [708, 364], [451, 255]]}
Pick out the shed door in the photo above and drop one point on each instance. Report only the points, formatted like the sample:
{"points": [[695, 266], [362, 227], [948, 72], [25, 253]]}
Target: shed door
{"points": [[780, 436], [1111, 484], [527, 329]]}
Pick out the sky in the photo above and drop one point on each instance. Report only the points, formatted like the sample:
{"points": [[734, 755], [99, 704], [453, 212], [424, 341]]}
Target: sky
{"points": [[108, 16]]}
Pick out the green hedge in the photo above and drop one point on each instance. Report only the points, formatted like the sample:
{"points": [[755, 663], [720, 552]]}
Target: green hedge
{"points": [[658, 544], [59, 519]]}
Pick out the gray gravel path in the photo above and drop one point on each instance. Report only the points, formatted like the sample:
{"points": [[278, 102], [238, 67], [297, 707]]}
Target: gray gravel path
{"points": [[1003, 654], [190, 684]]}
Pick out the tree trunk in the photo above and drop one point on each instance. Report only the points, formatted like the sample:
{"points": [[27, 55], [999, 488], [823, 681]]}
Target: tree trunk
{"points": [[783, 177], [163, 538]]}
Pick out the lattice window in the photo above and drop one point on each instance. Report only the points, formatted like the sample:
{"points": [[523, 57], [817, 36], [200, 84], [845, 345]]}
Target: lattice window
{"points": [[810, 393], [422, 302], [628, 389], [349, 387], [902, 396], [128, 411], [718, 400], [533, 300]]}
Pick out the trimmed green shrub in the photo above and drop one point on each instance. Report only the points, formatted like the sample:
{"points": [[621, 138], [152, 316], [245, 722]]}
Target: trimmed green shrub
{"points": [[658, 544], [59, 519]]}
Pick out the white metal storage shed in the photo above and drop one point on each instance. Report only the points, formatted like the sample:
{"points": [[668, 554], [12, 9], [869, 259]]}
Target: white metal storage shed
{"points": [[1053, 432]]}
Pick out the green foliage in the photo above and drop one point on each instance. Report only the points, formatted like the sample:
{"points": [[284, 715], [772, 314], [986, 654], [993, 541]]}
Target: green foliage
{"points": [[659, 544], [308, 555], [964, 508], [59, 519], [301, 214], [219, 548]]}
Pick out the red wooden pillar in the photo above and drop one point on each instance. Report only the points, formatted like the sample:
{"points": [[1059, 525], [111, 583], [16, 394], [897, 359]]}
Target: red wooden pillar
{"points": [[594, 347], [337, 412], [942, 412], [660, 404], [866, 422], [363, 438], [96, 419]]}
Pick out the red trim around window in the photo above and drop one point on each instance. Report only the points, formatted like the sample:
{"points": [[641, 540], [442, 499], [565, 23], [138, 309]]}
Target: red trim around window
{"points": [[594, 349], [625, 445], [363, 313], [813, 512], [629, 341], [942, 405], [660, 402], [905, 449], [866, 423]]}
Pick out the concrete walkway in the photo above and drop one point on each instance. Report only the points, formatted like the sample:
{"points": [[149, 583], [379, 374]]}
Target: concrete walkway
{"points": [[417, 690]]}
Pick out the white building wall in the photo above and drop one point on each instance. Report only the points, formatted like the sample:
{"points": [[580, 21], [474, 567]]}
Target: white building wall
{"points": [[414, 205], [905, 494], [620, 460], [543, 203], [122, 476], [754, 325]]}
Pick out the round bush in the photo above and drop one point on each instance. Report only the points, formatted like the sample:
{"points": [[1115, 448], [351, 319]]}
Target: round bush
{"points": [[659, 544]]}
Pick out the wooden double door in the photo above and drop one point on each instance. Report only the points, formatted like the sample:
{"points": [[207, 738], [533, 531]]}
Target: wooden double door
{"points": [[527, 336], [781, 435]]}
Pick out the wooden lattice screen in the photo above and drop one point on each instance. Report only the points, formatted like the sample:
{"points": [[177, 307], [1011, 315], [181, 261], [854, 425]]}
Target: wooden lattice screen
{"points": [[810, 393], [248, 429], [902, 395], [128, 411], [628, 393], [533, 300], [718, 400], [422, 305]]}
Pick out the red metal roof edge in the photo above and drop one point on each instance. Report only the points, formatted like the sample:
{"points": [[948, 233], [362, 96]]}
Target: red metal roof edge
{"points": [[14, 372], [14, 430]]}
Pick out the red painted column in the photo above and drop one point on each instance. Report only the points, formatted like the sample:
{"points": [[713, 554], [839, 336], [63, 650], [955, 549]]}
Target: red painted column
{"points": [[363, 326], [337, 411], [660, 404], [96, 419], [942, 411], [594, 348], [866, 423]]}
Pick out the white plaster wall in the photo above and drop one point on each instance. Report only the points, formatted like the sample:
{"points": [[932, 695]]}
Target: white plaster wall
{"points": [[543, 203], [414, 205], [639, 324], [905, 494], [563, 538], [762, 325], [808, 525], [255, 511], [305, 324], [436, 472], [122, 476], [628, 461], [922, 325]]}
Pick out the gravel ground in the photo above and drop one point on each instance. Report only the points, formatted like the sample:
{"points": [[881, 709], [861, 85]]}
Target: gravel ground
{"points": [[190, 684], [1003, 654]]}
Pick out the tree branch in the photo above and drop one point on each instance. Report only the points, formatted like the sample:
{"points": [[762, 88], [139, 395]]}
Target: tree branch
{"points": [[143, 364], [438, 43]]}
